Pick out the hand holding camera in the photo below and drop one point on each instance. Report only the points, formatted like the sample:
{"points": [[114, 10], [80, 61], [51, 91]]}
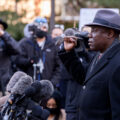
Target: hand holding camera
{"points": [[76, 41], [70, 42]]}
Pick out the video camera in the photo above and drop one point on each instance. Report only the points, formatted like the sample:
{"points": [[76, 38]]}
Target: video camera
{"points": [[82, 39], [32, 29]]}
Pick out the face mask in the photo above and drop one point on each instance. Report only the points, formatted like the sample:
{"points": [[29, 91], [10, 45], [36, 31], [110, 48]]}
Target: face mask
{"points": [[53, 111], [41, 34]]}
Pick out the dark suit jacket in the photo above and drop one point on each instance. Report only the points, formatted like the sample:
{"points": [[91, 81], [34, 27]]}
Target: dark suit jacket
{"points": [[100, 95]]}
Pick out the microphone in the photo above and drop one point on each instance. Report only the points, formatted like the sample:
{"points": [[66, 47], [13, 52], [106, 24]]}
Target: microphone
{"points": [[22, 91], [45, 90], [14, 79], [16, 86], [33, 89], [23, 83]]}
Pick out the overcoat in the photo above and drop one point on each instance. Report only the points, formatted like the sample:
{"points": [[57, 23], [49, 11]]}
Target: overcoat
{"points": [[8, 47], [100, 93]]}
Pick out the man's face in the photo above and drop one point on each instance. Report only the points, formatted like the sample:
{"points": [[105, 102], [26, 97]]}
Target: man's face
{"points": [[56, 32], [98, 38]]}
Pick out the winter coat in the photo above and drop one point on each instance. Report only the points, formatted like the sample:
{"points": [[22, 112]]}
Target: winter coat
{"points": [[72, 95], [8, 47], [99, 96]]}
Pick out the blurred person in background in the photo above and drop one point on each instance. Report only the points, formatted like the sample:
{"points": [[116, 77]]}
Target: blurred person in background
{"points": [[53, 105], [29, 34], [39, 50], [57, 31], [38, 23], [42, 23], [8, 47]]}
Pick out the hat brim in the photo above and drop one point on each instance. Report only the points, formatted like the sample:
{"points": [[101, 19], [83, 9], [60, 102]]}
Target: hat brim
{"points": [[97, 24], [4, 24]]}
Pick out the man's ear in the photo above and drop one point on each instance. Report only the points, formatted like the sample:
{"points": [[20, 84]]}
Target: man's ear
{"points": [[111, 33]]}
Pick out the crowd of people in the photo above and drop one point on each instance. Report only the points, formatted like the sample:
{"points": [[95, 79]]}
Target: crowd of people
{"points": [[81, 66]]}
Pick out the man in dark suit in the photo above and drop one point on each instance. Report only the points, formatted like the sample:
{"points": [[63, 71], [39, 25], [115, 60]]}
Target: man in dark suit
{"points": [[100, 93]]}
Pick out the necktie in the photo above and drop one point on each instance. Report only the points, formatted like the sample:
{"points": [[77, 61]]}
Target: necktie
{"points": [[97, 58]]}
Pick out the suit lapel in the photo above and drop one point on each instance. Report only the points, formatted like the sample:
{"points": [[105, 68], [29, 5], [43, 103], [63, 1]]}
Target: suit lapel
{"points": [[100, 65], [102, 62]]}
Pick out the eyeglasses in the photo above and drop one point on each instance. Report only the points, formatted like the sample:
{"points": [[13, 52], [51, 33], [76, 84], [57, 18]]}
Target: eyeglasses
{"points": [[61, 26]]}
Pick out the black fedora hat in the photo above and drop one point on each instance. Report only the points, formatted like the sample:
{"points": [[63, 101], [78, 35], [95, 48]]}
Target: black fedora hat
{"points": [[106, 18], [5, 25]]}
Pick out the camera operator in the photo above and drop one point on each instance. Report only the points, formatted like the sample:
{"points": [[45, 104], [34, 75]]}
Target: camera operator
{"points": [[39, 55], [72, 95], [8, 47]]}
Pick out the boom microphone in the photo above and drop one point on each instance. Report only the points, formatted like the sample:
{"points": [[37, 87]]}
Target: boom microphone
{"points": [[23, 83], [14, 79]]}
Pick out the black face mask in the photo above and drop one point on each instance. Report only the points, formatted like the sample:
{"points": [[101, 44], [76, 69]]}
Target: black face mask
{"points": [[41, 34], [53, 111]]}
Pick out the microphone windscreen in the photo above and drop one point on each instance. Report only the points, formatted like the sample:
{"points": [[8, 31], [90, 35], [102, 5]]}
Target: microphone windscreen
{"points": [[22, 84], [30, 91], [37, 86], [47, 89], [44, 92], [14, 79], [33, 89]]}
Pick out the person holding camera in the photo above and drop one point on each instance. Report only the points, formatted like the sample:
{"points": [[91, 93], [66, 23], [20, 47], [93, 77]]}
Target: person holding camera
{"points": [[99, 96], [39, 56], [8, 47], [71, 96]]}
